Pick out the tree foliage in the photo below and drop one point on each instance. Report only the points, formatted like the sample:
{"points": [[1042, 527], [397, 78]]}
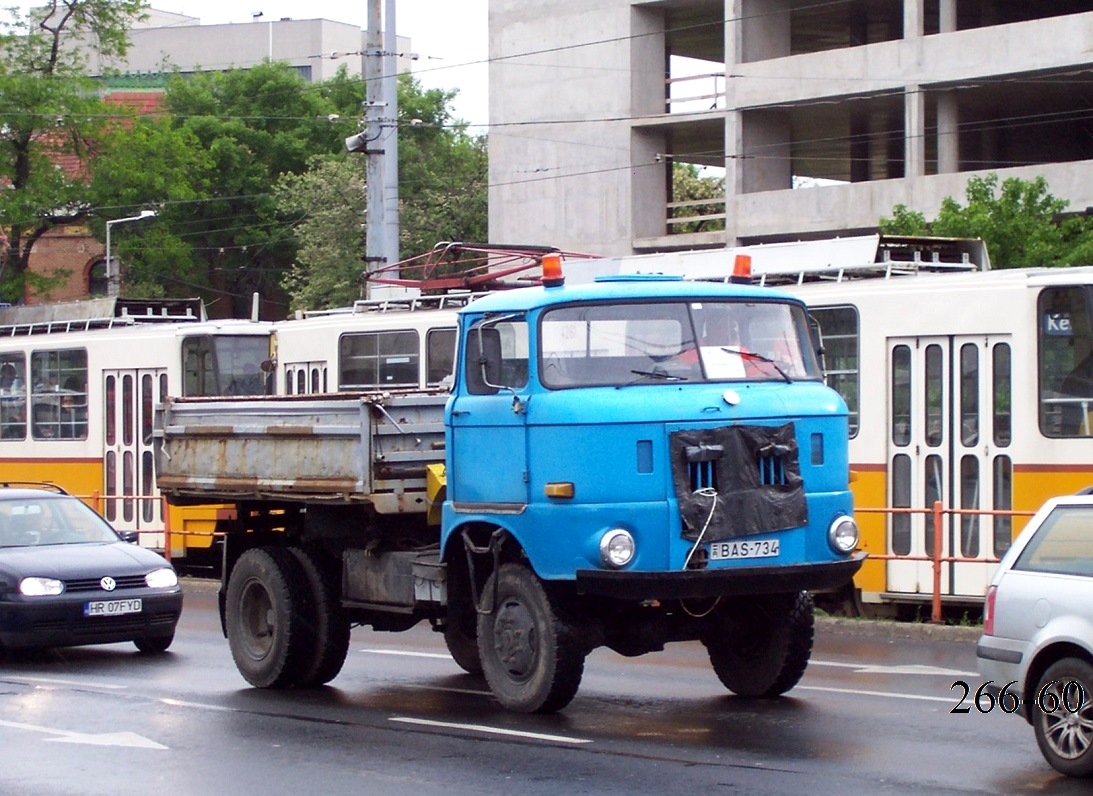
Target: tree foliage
{"points": [[1020, 221], [690, 185], [51, 113], [442, 196]]}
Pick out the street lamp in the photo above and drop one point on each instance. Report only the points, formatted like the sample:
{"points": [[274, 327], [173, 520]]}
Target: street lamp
{"points": [[111, 277]]}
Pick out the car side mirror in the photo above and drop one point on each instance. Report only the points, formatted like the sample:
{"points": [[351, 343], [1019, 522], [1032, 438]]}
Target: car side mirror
{"points": [[133, 537]]}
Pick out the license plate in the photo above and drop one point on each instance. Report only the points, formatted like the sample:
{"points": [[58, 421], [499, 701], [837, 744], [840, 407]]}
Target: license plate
{"points": [[112, 607], [737, 548]]}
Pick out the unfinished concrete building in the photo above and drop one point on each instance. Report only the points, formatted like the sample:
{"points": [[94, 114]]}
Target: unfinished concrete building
{"points": [[821, 115]]}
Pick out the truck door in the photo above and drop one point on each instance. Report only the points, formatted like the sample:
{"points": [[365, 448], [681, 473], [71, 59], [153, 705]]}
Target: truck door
{"points": [[129, 479], [941, 446], [488, 419]]}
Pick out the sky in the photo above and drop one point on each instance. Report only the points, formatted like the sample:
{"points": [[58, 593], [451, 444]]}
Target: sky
{"points": [[449, 36]]}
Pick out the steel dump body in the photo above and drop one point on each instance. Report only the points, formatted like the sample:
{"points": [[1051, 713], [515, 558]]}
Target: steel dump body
{"points": [[346, 448]]}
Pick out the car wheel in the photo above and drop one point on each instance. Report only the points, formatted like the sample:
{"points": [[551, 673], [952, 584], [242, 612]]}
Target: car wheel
{"points": [[533, 658], [267, 613], [154, 644], [761, 647], [1065, 735]]}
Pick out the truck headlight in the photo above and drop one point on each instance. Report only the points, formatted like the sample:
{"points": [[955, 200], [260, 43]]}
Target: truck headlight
{"points": [[617, 548], [842, 536]]}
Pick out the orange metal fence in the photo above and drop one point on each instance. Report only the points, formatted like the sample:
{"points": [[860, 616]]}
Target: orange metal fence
{"points": [[939, 512], [97, 501]]}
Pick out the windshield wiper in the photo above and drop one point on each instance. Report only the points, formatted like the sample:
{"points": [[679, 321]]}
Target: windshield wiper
{"points": [[651, 374], [743, 352]]}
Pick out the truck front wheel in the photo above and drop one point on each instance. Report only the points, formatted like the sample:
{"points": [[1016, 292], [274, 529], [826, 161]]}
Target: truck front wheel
{"points": [[532, 657], [760, 648], [267, 613]]}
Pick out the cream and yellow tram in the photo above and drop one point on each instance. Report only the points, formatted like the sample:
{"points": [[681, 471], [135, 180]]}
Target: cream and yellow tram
{"points": [[78, 386], [396, 344], [974, 389]]}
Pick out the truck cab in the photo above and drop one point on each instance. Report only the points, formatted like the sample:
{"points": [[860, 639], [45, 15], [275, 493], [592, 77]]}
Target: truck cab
{"points": [[651, 451]]}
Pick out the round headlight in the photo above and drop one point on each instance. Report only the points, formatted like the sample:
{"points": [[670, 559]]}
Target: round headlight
{"points": [[617, 548], [842, 536], [161, 579], [40, 587]]}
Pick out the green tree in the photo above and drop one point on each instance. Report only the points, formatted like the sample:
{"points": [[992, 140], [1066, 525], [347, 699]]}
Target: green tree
{"points": [[442, 194], [1020, 221], [50, 113], [689, 185]]}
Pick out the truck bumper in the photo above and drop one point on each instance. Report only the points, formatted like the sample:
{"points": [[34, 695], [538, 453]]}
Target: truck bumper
{"points": [[718, 582]]}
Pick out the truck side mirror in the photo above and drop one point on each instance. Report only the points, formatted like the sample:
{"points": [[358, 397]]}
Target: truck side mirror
{"points": [[484, 361], [817, 339]]}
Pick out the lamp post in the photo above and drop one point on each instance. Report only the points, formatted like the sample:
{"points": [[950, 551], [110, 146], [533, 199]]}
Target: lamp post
{"points": [[111, 276]]}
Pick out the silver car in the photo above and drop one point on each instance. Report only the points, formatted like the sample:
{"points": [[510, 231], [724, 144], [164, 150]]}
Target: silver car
{"points": [[1037, 643]]}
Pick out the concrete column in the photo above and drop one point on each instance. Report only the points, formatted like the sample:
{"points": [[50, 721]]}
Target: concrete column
{"points": [[914, 16], [764, 28], [946, 16], [948, 133], [734, 119], [648, 62], [914, 131]]}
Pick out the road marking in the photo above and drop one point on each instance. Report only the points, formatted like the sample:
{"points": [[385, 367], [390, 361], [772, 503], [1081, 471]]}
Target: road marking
{"points": [[537, 736], [911, 668], [443, 656], [885, 694], [129, 739], [54, 681]]}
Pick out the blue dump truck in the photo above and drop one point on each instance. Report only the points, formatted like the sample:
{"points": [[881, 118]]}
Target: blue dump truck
{"points": [[625, 463]]}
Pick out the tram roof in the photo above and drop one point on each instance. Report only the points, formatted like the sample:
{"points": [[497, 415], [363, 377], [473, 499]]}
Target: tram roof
{"points": [[100, 313]]}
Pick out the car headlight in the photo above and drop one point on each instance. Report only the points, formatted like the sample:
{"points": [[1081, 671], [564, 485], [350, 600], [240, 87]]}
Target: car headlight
{"points": [[617, 548], [41, 587], [161, 579], [842, 536]]}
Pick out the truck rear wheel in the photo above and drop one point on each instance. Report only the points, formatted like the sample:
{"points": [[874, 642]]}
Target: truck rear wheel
{"points": [[761, 648], [532, 657], [267, 610], [327, 620]]}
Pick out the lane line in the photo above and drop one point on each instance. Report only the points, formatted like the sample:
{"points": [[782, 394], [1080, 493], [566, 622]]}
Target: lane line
{"points": [[447, 725], [56, 681], [863, 692], [443, 656]]}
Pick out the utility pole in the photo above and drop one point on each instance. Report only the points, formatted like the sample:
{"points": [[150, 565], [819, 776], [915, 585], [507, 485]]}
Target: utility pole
{"points": [[390, 137], [374, 248]]}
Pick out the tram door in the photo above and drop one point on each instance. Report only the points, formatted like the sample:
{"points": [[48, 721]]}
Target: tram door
{"points": [[132, 500], [948, 439]]}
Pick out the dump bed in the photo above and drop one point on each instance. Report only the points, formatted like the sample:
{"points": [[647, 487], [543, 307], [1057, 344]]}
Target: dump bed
{"points": [[345, 448]]}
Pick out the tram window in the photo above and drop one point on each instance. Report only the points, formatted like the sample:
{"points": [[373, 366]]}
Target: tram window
{"points": [[147, 483], [439, 355], [1065, 361], [224, 365], [901, 395], [969, 499], [901, 499], [315, 380], [58, 400], [301, 382], [1003, 501], [378, 359], [839, 330], [1000, 411], [13, 396], [933, 381], [111, 411], [935, 489], [127, 410], [969, 394], [111, 467], [147, 402]]}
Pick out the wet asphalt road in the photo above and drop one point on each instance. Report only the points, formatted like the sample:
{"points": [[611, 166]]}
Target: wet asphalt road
{"points": [[872, 715]]}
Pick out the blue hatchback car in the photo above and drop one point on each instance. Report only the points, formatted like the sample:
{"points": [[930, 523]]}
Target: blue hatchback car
{"points": [[68, 579]]}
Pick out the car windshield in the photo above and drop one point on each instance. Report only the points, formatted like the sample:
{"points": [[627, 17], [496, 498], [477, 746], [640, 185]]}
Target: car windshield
{"points": [[672, 341], [60, 520]]}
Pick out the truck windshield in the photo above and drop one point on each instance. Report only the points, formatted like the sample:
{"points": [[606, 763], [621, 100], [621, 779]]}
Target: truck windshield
{"points": [[673, 341]]}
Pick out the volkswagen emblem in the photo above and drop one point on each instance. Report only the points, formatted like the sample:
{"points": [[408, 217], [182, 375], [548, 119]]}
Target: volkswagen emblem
{"points": [[108, 583]]}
